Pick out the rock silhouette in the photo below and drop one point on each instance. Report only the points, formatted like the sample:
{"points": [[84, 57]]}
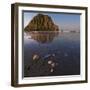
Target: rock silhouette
{"points": [[41, 23]]}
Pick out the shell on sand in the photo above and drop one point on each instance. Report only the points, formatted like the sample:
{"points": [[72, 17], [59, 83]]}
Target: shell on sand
{"points": [[35, 57], [49, 62], [53, 64], [51, 70]]}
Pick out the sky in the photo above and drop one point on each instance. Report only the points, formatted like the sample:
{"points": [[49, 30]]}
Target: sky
{"points": [[65, 21]]}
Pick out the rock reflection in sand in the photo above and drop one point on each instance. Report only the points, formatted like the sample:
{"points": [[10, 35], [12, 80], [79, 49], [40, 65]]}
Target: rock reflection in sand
{"points": [[42, 36]]}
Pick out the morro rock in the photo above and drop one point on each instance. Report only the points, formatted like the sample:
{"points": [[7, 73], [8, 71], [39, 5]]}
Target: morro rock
{"points": [[41, 22]]}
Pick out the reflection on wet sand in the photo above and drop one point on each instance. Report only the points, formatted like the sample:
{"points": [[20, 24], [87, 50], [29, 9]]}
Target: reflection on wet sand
{"points": [[43, 37], [50, 53]]}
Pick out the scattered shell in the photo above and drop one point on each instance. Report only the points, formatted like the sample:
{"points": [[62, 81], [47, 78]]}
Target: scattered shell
{"points": [[49, 62], [35, 57], [53, 64], [51, 70]]}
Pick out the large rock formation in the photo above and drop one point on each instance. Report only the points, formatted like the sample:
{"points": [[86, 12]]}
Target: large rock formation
{"points": [[41, 23]]}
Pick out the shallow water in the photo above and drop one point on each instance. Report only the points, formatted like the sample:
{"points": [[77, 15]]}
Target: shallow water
{"points": [[65, 47]]}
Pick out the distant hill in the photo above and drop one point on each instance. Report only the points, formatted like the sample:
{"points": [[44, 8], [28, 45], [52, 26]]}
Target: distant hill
{"points": [[41, 23]]}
